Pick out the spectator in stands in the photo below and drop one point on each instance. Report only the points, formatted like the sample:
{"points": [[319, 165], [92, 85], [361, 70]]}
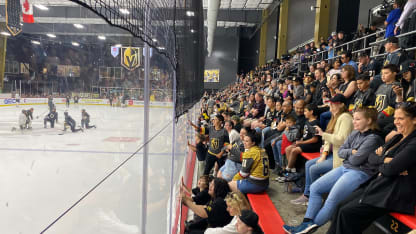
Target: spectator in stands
{"points": [[311, 93], [236, 121], [395, 54], [236, 202], [364, 63], [214, 214], [392, 19], [265, 125], [309, 143], [321, 79], [258, 108], [386, 98], [308, 78], [247, 223], [233, 163], [406, 90], [199, 194], [349, 86], [218, 137], [407, 11], [339, 127], [233, 135], [336, 69], [365, 96], [346, 58], [342, 181], [298, 91], [340, 41], [394, 189], [201, 150], [329, 92], [254, 174]]}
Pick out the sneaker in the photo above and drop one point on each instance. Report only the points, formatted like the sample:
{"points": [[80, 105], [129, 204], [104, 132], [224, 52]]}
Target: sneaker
{"points": [[305, 227], [288, 229], [302, 200]]}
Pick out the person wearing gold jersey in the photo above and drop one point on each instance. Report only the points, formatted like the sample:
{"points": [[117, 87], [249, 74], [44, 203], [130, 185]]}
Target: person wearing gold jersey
{"points": [[254, 174]]}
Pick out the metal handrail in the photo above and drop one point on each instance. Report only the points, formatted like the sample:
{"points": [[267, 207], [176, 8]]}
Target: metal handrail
{"points": [[398, 36]]}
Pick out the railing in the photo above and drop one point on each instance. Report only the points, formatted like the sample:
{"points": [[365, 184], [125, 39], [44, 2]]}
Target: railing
{"points": [[313, 59]]}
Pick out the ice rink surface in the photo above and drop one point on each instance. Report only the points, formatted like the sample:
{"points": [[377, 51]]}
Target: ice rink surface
{"points": [[43, 172]]}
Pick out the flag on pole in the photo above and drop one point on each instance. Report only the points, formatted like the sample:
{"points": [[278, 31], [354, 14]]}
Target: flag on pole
{"points": [[27, 11]]}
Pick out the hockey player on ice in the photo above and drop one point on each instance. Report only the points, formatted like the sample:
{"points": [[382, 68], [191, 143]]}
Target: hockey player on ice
{"points": [[22, 120], [69, 121], [85, 121], [52, 117], [50, 102]]}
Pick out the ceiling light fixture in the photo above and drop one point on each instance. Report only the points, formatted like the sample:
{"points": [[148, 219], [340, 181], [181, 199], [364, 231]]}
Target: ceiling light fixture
{"points": [[78, 26], [190, 13], [154, 40], [101, 37], [51, 35], [124, 11], [36, 42], [75, 43], [41, 7]]}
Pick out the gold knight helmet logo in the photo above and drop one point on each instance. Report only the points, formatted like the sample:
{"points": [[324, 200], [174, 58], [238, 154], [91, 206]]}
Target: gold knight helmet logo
{"points": [[130, 57]]}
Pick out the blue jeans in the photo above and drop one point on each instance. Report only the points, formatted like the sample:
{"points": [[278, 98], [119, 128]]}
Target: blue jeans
{"points": [[324, 119], [340, 183], [277, 148], [314, 170], [263, 133]]}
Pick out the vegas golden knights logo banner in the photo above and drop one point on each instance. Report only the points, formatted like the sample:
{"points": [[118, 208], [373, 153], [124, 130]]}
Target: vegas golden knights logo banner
{"points": [[131, 57], [13, 12]]}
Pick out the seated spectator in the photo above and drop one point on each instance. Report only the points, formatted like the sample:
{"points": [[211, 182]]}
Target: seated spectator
{"points": [[236, 121], [406, 90], [233, 163], [299, 111], [308, 78], [214, 214], [346, 58], [349, 86], [233, 135], [199, 194], [386, 98], [254, 174], [392, 19], [264, 123], [309, 143], [336, 69], [328, 92], [310, 93], [395, 54], [339, 127], [201, 150], [365, 96], [297, 88], [247, 223], [236, 202], [343, 180], [257, 110], [394, 189]]}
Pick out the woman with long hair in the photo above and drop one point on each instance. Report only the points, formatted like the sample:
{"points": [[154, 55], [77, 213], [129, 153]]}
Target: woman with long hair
{"points": [[339, 127], [236, 202], [393, 189]]}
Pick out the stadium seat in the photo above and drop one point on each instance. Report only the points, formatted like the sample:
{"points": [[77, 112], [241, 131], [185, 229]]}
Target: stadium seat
{"points": [[408, 220], [310, 156], [269, 219]]}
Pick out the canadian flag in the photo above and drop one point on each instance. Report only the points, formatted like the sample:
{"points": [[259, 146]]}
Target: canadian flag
{"points": [[27, 11]]}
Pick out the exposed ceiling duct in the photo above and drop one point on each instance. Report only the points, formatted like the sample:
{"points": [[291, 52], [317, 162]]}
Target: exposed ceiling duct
{"points": [[212, 14]]}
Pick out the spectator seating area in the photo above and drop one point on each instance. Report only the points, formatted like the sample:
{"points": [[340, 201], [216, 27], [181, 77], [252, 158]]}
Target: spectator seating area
{"points": [[310, 104]]}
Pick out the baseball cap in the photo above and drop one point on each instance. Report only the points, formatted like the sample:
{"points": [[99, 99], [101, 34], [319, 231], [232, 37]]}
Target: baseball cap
{"points": [[338, 98], [408, 65], [251, 219], [298, 79], [394, 40], [310, 74]]}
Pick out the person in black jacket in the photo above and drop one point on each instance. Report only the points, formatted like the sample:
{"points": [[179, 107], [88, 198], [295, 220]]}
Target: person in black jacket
{"points": [[52, 117], [85, 120], [69, 121], [394, 188]]}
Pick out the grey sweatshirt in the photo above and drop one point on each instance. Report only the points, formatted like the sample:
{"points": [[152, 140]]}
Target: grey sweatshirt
{"points": [[364, 143]]}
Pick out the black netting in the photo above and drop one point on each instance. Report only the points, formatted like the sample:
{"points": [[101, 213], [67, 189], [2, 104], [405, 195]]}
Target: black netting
{"points": [[165, 26]]}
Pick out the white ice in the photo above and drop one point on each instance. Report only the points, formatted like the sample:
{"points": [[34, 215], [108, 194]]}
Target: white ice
{"points": [[42, 172]]}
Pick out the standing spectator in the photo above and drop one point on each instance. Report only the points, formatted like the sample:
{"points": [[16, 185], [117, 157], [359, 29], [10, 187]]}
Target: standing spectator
{"points": [[201, 150], [392, 19]]}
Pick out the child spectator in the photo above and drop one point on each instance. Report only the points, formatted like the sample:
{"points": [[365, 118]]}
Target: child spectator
{"points": [[365, 96], [200, 193], [201, 150], [309, 143]]}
